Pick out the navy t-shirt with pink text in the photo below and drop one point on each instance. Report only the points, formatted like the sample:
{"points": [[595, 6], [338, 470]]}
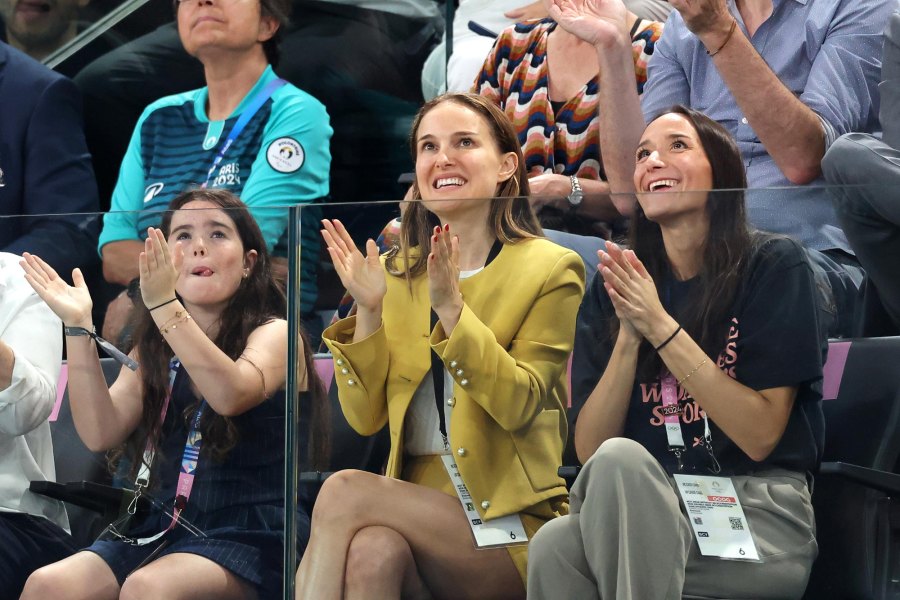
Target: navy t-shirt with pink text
{"points": [[772, 340]]}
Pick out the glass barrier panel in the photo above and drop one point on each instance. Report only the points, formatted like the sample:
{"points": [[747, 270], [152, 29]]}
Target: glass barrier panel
{"points": [[228, 285], [834, 292], [307, 436]]}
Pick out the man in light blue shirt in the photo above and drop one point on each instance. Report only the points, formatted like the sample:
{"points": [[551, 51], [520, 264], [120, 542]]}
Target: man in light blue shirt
{"points": [[785, 86], [785, 77]]}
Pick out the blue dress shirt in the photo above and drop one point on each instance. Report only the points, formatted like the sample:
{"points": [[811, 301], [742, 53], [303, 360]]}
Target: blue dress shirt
{"points": [[827, 52]]}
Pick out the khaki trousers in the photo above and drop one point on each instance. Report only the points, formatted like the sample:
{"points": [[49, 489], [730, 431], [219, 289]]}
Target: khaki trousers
{"points": [[627, 537]]}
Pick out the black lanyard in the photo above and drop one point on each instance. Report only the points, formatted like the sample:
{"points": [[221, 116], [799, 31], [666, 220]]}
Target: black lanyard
{"points": [[437, 365]]}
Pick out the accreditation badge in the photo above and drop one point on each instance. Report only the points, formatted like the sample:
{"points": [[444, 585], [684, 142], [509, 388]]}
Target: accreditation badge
{"points": [[717, 517], [503, 531]]}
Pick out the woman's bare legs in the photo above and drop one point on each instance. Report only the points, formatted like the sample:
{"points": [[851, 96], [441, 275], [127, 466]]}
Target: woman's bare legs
{"points": [[180, 576], [82, 576], [184, 576], [431, 523], [380, 564]]}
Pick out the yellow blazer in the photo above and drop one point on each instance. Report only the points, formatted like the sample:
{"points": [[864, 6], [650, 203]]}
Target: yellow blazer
{"points": [[507, 356]]}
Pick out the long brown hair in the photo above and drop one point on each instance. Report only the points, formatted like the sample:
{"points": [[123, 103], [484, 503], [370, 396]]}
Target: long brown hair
{"points": [[258, 300], [511, 216], [726, 250]]}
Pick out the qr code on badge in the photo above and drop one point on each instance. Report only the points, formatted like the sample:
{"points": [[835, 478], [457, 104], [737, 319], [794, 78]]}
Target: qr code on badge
{"points": [[736, 523]]}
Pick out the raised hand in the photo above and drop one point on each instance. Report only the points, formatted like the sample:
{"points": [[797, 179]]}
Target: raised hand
{"points": [[597, 22], [158, 268], [443, 274], [71, 304], [362, 276], [631, 290], [704, 16]]}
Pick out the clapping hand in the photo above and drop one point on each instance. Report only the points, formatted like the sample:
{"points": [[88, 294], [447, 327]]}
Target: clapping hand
{"points": [[597, 22], [362, 276], [71, 304], [443, 275], [631, 290], [158, 268]]}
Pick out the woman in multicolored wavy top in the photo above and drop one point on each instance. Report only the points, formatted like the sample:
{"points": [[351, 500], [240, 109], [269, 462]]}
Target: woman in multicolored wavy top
{"points": [[546, 81]]}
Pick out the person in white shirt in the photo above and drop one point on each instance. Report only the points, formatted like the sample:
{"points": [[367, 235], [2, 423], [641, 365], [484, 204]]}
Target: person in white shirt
{"points": [[33, 528]]}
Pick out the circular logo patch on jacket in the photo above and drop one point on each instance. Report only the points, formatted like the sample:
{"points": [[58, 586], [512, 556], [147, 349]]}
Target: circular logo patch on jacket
{"points": [[285, 155]]}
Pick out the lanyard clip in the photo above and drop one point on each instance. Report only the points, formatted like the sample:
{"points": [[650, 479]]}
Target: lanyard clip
{"points": [[716, 468], [132, 506], [678, 451]]}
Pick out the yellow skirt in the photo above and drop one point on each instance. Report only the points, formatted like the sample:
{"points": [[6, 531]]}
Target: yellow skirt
{"points": [[429, 471]]}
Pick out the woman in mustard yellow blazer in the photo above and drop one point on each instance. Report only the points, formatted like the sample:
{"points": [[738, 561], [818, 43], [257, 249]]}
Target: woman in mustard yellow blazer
{"points": [[460, 345]]}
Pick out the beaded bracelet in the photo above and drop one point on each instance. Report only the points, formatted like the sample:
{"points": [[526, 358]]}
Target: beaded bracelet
{"points": [[727, 37]]}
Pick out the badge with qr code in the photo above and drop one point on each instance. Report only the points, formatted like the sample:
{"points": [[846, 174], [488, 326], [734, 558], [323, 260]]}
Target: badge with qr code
{"points": [[717, 517], [488, 533]]}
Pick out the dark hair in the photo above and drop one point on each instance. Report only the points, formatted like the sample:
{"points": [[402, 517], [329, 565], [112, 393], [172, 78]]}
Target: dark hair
{"points": [[511, 216], [280, 10], [258, 300], [727, 248]]}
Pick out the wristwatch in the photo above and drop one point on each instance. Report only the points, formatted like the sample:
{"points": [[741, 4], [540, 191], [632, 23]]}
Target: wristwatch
{"points": [[577, 194]]}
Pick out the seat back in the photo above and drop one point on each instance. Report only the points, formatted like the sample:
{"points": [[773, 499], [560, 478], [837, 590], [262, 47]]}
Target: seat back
{"points": [[862, 378], [74, 461], [862, 424], [349, 450]]}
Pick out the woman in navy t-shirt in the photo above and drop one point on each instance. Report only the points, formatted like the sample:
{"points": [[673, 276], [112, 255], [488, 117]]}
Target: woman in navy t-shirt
{"points": [[698, 353]]}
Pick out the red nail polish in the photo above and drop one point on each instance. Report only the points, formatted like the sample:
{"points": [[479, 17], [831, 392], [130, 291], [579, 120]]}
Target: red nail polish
{"points": [[447, 227]]}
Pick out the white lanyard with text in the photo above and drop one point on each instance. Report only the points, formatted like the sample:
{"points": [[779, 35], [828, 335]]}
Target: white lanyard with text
{"points": [[242, 121]]}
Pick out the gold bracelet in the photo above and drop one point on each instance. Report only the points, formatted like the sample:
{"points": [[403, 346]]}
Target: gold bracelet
{"points": [[181, 316], [688, 376], [727, 37]]}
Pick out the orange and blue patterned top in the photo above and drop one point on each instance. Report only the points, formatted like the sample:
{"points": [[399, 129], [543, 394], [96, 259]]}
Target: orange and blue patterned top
{"points": [[515, 76]]}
